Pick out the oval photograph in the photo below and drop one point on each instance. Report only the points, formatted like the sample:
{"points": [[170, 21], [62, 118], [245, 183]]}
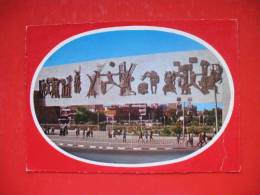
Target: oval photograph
{"points": [[132, 96]]}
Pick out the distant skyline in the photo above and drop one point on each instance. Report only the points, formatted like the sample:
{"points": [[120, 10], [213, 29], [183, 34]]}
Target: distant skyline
{"points": [[200, 106], [119, 44]]}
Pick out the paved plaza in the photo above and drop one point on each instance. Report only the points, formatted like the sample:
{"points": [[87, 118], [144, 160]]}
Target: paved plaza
{"points": [[101, 141]]}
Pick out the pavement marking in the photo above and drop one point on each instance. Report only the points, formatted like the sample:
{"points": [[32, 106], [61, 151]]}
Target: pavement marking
{"points": [[110, 148], [81, 146], [100, 147], [61, 144], [152, 148], [92, 146], [69, 144], [121, 148], [167, 148], [137, 148]]}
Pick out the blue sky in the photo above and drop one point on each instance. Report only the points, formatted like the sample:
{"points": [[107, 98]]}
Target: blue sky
{"points": [[208, 106], [119, 44]]}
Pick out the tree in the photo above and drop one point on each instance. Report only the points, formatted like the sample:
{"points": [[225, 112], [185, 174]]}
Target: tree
{"points": [[166, 131], [83, 116], [177, 130], [210, 116]]}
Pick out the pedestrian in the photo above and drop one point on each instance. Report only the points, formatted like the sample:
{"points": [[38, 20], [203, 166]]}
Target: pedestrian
{"points": [[146, 135], [151, 135], [88, 132], [48, 130], [66, 130], [77, 131], [202, 139], [141, 136], [91, 133], [52, 130], [124, 135], [114, 133], [190, 140], [44, 130], [109, 133], [178, 138], [84, 132]]}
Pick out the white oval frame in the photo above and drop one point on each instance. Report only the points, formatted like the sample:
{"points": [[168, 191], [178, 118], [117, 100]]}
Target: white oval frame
{"points": [[121, 28]]}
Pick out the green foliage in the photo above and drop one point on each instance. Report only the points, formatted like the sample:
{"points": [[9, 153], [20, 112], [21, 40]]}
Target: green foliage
{"points": [[85, 116], [166, 131], [177, 130], [81, 115], [210, 116], [194, 123], [206, 129]]}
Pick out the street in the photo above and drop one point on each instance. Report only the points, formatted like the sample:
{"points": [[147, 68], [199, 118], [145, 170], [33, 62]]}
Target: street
{"points": [[113, 150], [126, 157]]}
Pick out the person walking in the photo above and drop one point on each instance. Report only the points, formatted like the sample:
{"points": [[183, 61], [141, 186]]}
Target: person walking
{"points": [[151, 135], [77, 131], [48, 130], [178, 138], [124, 135], [52, 130], [141, 136], [190, 140], [146, 135], [88, 132], [109, 133], [114, 133], [91, 133]]}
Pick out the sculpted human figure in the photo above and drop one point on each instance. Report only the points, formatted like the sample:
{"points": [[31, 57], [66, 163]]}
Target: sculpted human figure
{"points": [[63, 88], [143, 88], [77, 82], [42, 87], [154, 80], [110, 81], [55, 88], [125, 81], [193, 80], [52, 87], [68, 86], [204, 67], [219, 71], [93, 80], [203, 83], [48, 86], [169, 79], [183, 73], [215, 76]]}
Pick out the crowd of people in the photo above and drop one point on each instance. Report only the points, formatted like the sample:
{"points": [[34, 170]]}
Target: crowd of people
{"points": [[146, 134], [143, 136], [85, 132]]}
